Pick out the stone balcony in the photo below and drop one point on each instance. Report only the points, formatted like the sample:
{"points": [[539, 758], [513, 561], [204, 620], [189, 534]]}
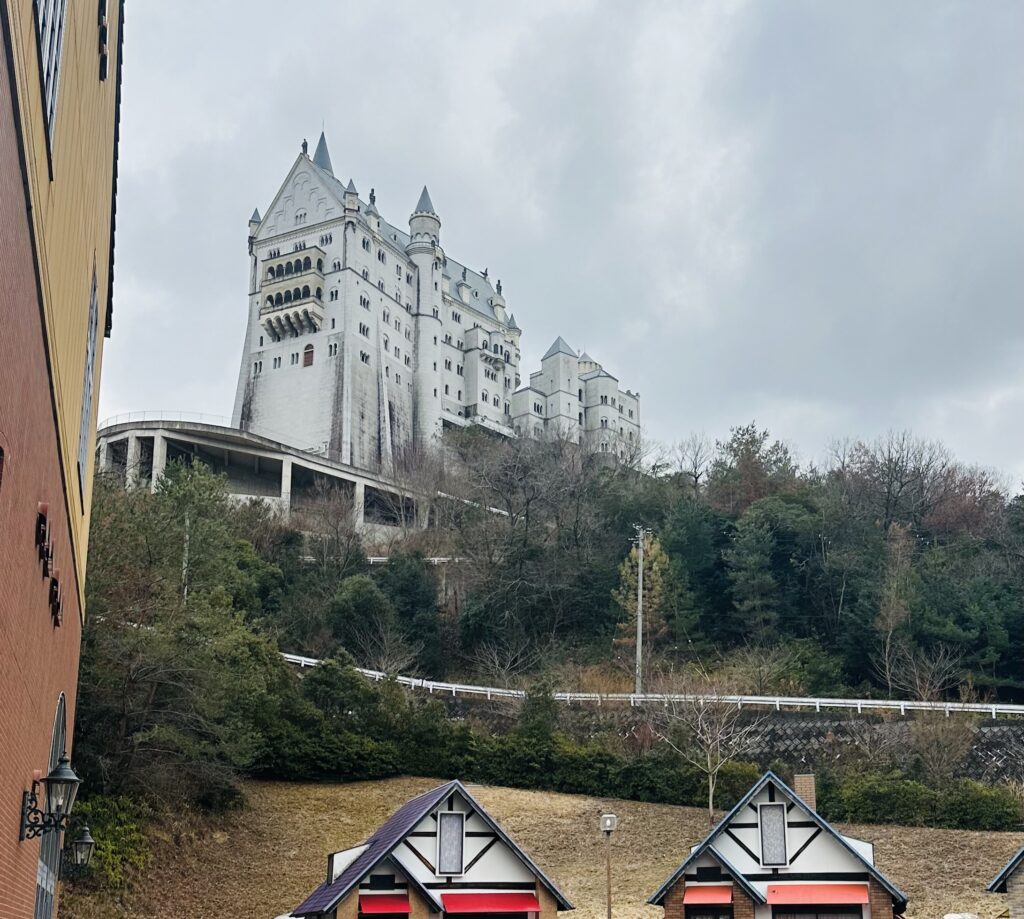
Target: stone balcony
{"points": [[293, 317]]}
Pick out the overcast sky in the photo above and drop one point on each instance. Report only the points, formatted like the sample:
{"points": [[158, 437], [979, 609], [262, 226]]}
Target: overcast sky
{"points": [[810, 213]]}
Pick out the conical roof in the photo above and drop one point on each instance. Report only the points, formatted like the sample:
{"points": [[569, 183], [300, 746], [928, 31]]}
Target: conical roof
{"points": [[255, 218], [322, 157], [424, 205], [560, 346], [351, 188], [512, 321]]}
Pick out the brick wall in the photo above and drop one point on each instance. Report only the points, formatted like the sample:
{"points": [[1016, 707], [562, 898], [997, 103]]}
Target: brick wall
{"points": [[37, 661], [881, 901], [1015, 894], [742, 906], [673, 902]]}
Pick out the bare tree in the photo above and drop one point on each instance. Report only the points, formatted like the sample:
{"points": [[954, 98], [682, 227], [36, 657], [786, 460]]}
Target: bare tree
{"points": [[692, 458], [893, 610], [327, 516], [385, 646], [763, 669], [940, 742], [502, 661], [927, 675], [704, 726]]}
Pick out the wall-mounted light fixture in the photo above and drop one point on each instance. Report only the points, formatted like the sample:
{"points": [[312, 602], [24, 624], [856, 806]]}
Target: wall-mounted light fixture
{"points": [[60, 789], [75, 858]]}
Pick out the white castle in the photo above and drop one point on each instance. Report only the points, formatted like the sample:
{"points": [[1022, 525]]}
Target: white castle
{"points": [[364, 339]]}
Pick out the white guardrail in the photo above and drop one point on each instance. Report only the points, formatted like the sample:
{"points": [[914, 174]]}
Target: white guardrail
{"points": [[778, 703]]}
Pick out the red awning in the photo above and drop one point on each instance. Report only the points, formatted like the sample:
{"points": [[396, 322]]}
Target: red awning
{"points": [[721, 893], [390, 903], [817, 894], [490, 903]]}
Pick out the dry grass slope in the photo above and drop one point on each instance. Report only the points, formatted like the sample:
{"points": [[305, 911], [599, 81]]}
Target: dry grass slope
{"points": [[262, 862]]}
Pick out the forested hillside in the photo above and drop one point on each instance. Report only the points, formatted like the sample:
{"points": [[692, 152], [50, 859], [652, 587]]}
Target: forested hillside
{"points": [[894, 570]]}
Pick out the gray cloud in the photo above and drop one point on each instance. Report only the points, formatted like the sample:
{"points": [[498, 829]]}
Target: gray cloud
{"points": [[807, 213]]}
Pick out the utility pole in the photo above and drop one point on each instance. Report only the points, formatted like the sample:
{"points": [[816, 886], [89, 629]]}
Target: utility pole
{"points": [[608, 824], [640, 534]]}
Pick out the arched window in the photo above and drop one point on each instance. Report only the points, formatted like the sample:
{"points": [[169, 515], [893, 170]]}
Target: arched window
{"points": [[261, 341], [497, 350], [50, 844], [306, 263], [296, 294], [280, 271], [270, 301], [508, 357], [319, 294], [298, 265], [319, 264], [287, 296], [278, 300], [305, 290], [307, 356], [288, 268], [270, 271]]}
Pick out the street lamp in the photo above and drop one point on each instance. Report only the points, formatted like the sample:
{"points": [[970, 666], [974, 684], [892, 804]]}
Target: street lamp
{"points": [[76, 857], [60, 789], [608, 824]]}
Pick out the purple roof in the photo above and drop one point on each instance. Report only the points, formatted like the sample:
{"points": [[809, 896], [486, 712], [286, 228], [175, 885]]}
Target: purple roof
{"points": [[379, 846]]}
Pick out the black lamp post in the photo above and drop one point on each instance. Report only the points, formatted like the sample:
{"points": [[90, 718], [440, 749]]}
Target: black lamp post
{"points": [[76, 857], [61, 788]]}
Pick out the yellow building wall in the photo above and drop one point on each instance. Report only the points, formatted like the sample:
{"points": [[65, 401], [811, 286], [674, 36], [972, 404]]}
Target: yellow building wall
{"points": [[71, 190]]}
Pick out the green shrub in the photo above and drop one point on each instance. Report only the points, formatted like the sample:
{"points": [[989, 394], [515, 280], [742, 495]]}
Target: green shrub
{"points": [[122, 848], [886, 798], [970, 805], [734, 781]]}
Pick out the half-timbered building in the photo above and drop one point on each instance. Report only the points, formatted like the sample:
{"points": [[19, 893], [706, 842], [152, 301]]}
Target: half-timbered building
{"points": [[774, 857], [441, 854], [1011, 882]]}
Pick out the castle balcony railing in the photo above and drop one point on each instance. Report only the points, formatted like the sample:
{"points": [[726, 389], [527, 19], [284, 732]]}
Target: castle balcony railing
{"points": [[311, 279], [310, 258]]}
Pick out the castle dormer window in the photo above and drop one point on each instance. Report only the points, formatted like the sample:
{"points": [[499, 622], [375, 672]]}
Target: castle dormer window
{"points": [[366, 244], [771, 819], [451, 828]]}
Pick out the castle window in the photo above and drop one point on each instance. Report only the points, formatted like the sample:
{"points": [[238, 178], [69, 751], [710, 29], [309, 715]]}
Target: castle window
{"points": [[319, 264], [386, 345], [332, 322], [364, 330], [447, 364], [507, 409], [631, 413], [581, 417], [366, 244], [305, 290], [495, 400], [408, 278], [277, 363], [364, 302], [581, 395], [447, 390], [398, 271], [385, 315], [298, 265], [306, 264], [604, 422], [270, 271], [319, 294], [261, 341], [458, 344], [447, 339], [50, 30], [460, 395], [437, 314], [398, 379], [396, 352], [380, 284], [497, 350], [364, 357], [278, 300], [336, 265], [604, 400], [300, 217], [280, 271], [507, 357], [456, 317], [288, 268], [334, 294], [366, 274]]}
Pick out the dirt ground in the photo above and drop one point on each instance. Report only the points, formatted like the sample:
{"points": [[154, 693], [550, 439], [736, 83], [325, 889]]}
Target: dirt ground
{"points": [[262, 862]]}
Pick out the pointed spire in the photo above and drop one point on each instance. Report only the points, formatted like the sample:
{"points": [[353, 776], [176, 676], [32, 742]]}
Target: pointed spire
{"points": [[425, 205], [321, 157], [351, 188], [512, 321], [559, 346], [255, 218]]}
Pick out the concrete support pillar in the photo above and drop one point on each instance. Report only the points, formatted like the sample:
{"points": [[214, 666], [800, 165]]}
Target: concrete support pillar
{"points": [[159, 458], [132, 461], [359, 505], [104, 454], [286, 486]]}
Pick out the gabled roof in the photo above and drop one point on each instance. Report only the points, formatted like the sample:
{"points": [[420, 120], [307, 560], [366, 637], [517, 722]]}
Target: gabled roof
{"points": [[559, 346], [998, 884], [900, 898], [321, 156], [382, 844], [425, 205]]}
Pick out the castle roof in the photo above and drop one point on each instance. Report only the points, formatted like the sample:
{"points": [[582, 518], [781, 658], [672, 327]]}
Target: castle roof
{"points": [[321, 156], [425, 205], [586, 357], [512, 324], [351, 188], [255, 218], [560, 346]]}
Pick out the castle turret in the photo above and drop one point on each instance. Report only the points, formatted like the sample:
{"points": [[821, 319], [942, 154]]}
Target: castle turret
{"points": [[372, 214], [351, 199], [425, 252], [498, 303]]}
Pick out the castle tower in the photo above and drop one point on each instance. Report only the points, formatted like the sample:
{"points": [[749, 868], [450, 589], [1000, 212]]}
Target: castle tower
{"points": [[424, 250]]}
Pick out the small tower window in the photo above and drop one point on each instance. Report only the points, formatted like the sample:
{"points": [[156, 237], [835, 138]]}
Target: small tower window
{"points": [[307, 356]]}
